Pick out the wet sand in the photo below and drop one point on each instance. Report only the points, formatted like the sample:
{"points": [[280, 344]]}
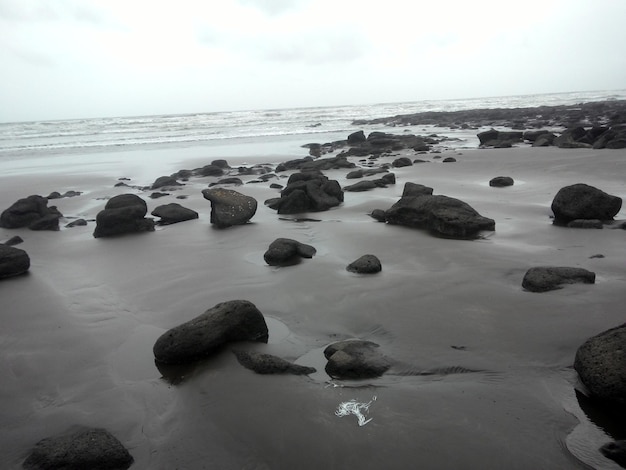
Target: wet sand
{"points": [[78, 330]]}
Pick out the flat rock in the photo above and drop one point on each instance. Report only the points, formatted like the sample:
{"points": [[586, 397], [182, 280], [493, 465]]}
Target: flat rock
{"points": [[94, 449], [366, 264], [13, 261], [173, 213], [546, 278], [581, 201], [123, 214], [441, 215], [231, 321], [269, 364], [355, 359], [229, 207], [285, 251], [601, 365]]}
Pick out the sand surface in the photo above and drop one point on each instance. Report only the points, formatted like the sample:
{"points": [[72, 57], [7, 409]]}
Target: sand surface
{"points": [[78, 330]]}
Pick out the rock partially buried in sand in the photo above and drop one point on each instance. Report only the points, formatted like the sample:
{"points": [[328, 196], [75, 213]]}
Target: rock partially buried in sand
{"points": [[601, 365], [285, 251], [173, 213], [234, 320], [501, 182], [165, 181], [269, 364], [95, 449], [355, 359], [123, 214], [442, 215], [546, 278], [13, 261], [366, 264], [32, 212], [229, 207], [581, 201]]}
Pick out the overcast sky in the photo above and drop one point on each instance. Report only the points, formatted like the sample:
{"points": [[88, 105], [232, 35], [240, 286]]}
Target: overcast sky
{"points": [[96, 58]]}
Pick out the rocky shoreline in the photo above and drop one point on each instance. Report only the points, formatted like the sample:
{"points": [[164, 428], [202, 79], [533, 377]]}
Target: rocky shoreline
{"points": [[307, 189]]}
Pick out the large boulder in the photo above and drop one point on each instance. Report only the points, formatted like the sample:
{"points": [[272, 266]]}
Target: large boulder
{"points": [[366, 264], [123, 214], [269, 364], [546, 278], [94, 449], [13, 261], [442, 215], [32, 212], [285, 251], [173, 213], [355, 359], [229, 207], [234, 320], [581, 201], [601, 365], [307, 192]]}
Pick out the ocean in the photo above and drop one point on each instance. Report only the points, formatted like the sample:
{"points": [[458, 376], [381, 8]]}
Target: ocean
{"points": [[38, 138]]}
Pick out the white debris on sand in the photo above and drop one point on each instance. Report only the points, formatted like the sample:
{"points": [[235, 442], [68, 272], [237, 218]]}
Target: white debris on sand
{"points": [[353, 407]]}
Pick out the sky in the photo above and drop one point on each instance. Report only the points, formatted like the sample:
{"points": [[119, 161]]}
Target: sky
{"points": [[67, 59]]}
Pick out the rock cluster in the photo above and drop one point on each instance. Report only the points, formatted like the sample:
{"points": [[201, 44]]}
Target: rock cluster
{"points": [[32, 212], [307, 192], [123, 214]]}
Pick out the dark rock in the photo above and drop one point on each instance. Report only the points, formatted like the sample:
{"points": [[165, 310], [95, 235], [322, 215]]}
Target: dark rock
{"points": [[234, 320], [501, 181], [572, 138], [601, 365], [94, 449], [401, 162], [361, 186], [173, 213], [54, 195], [546, 278], [285, 251], [389, 178], [32, 212], [581, 201], [232, 180], [379, 215], [532, 136], [307, 191], [123, 214], [210, 170], [366, 264], [158, 194], [585, 223], [269, 364], [164, 181], [449, 160], [355, 359], [229, 207], [499, 139], [544, 140], [276, 186], [220, 163], [414, 189], [356, 138], [442, 215], [355, 174], [615, 451], [13, 261], [308, 164], [76, 223], [15, 240]]}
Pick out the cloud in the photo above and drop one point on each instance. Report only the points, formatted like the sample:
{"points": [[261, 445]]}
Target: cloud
{"points": [[274, 7]]}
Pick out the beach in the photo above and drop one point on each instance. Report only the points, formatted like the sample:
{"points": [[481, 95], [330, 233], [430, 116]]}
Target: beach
{"points": [[79, 328]]}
